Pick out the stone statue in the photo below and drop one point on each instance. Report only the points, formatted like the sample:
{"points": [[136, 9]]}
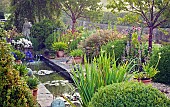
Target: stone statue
{"points": [[26, 28]]}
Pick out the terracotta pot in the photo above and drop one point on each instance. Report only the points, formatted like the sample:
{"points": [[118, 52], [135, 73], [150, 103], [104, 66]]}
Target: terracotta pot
{"points": [[145, 81], [34, 92], [77, 60], [18, 61], [60, 53]]}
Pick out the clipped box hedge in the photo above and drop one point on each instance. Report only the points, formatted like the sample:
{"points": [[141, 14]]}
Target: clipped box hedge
{"points": [[163, 66], [129, 94]]}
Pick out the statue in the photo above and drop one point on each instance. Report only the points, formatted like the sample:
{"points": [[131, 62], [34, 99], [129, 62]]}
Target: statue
{"points": [[26, 28]]}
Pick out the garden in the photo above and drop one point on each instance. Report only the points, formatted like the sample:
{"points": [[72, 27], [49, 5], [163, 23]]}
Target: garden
{"points": [[121, 61]]}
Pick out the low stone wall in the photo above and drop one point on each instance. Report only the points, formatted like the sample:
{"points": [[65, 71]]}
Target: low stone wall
{"points": [[157, 34]]}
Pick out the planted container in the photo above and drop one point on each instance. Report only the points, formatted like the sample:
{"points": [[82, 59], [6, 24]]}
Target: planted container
{"points": [[59, 47], [77, 55]]}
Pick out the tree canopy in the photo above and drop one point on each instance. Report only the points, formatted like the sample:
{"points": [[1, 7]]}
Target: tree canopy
{"points": [[153, 12], [76, 9], [34, 10]]}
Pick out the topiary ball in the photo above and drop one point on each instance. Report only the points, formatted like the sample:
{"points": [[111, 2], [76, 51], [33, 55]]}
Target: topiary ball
{"points": [[129, 94], [163, 66]]}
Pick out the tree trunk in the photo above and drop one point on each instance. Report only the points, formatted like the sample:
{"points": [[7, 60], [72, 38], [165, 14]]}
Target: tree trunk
{"points": [[150, 39], [73, 25]]}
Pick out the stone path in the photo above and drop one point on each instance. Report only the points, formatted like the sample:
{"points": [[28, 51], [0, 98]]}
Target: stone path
{"points": [[44, 97], [163, 88]]}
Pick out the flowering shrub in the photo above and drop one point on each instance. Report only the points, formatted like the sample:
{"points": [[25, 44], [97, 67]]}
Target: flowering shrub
{"points": [[93, 42], [22, 43]]}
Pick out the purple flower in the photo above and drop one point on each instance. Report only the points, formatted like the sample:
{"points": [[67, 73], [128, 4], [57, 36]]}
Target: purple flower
{"points": [[139, 38]]}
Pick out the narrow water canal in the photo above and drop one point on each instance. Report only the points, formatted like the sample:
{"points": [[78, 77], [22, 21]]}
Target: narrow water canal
{"points": [[55, 83]]}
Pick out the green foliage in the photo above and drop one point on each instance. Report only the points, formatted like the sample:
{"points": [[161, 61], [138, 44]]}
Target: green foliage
{"points": [[101, 72], [32, 82], [35, 43], [18, 37], [13, 90], [163, 66], [51, 39], [118, 46], [147, 73], [22, 69], [93, 43], [76, 53], [43, 29], [154, 12], [59, 46], [80, 8], [129, 94], [129, 19], [74, 44], [35, 11], [19, 55]]}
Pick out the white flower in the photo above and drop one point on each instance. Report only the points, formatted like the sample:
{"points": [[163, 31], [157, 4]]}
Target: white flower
{"points": [[113, 46], [13, 41]]}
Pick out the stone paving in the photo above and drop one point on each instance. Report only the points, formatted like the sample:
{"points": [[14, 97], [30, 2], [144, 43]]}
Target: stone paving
{"points": [[44, 97]]}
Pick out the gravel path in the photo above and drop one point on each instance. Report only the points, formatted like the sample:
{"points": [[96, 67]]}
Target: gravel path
{"points": [[162, 87]]}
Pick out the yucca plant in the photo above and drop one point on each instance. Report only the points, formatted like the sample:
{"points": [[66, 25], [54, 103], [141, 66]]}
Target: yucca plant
{"points": [[101, 72]]}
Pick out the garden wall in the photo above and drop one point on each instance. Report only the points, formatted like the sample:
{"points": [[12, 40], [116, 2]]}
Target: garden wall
{"points": [[158, 35]]}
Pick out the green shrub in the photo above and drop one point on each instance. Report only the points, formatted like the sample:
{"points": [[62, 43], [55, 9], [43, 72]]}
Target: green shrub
{"points": [[163, 66], [43, 29], [59, 46], [22, 69], [32, 82], [75, 43], [93, 43], [118, 46], [35, 43], [76, 53], [19, 55], [13, 90], [51, 39], [129, 94]]}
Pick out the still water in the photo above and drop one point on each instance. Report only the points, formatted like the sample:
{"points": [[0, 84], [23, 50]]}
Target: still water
{"points": [[55, 83]]}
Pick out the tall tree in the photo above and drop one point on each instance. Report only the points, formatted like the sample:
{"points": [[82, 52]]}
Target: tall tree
{"points": [[153, 12], [34, 10], [76, 9], [4, 5]]}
